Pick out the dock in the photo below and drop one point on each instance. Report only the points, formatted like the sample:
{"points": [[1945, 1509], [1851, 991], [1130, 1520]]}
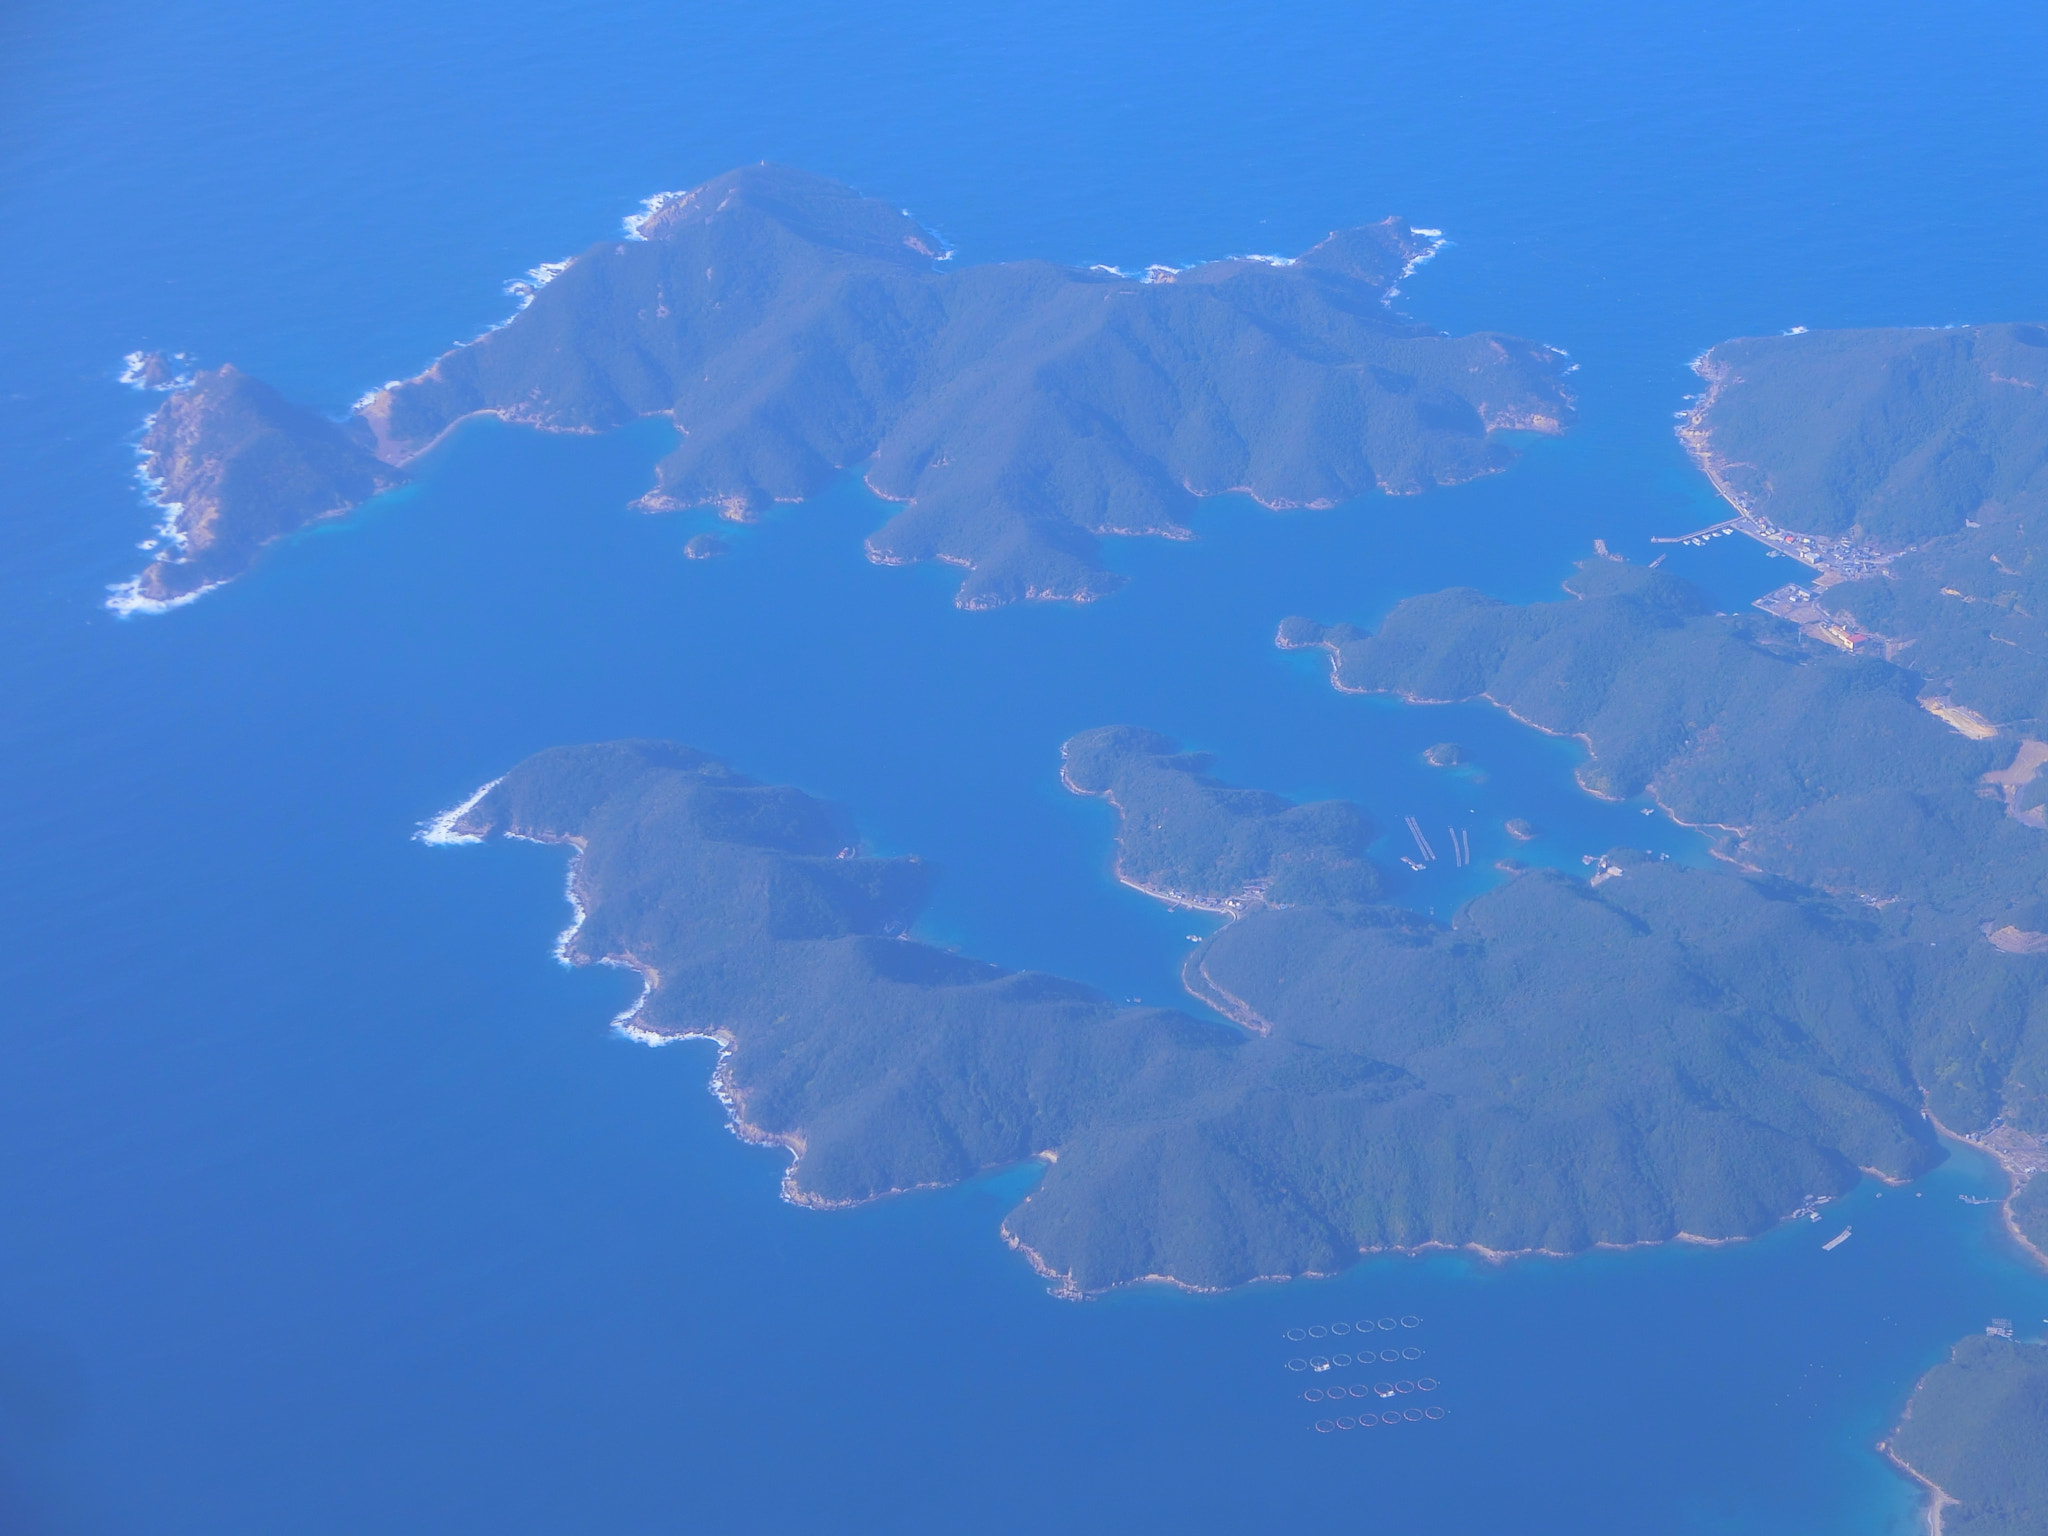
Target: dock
{"points": [[1836, 560], [1700, 535], [1421, 842]]}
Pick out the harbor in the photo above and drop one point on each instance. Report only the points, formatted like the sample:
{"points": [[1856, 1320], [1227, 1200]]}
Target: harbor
{"points": [[1837, 560]]}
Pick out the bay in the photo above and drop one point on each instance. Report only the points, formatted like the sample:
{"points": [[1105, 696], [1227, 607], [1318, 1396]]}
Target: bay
{"points": [[331, 1203]]}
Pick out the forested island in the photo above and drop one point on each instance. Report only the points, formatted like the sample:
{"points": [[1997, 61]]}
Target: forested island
{"points": [[1890, 755], [1818, 770], [1976, 1432], [1019, 411], [1669, 1053]]}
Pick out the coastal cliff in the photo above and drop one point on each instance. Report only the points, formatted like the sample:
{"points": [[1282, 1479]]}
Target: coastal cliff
{"points": [[232, 465]]}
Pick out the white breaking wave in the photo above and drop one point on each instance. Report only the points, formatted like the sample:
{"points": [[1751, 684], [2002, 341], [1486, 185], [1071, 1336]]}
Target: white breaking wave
{"points": [[623, 1023], [1437, 242], [166, 529], [363, 401], [649, 207], [440, 831], [126, 598], [525, 288], [134, 366], [577, 913]]}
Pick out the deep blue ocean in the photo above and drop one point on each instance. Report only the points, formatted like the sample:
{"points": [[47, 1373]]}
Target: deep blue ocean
{"points": [[330, 1204]]}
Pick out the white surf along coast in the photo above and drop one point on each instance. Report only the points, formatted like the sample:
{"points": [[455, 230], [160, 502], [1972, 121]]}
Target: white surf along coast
{"points": [[441, 832]]}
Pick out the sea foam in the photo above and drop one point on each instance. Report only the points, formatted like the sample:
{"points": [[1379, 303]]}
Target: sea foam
{"points": [[125, 598], [632, 223], [135, 371], [524, 288], [440, 831]]}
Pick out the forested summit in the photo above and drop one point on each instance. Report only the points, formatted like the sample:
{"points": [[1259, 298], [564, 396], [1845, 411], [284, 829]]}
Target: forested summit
{"points": [[1667, 1052], [792, 329]]}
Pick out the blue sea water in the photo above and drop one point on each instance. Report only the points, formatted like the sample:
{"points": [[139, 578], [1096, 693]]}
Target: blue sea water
{"points": [[328, 1203]]}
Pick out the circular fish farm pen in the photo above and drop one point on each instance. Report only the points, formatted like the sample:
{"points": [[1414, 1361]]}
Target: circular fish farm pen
{"points": [[1429, 1415], [1334, 1393]]}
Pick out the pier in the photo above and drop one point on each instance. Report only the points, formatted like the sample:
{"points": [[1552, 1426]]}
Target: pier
{"points": [[1421, 842], [1699, 535], [1836, 559]]}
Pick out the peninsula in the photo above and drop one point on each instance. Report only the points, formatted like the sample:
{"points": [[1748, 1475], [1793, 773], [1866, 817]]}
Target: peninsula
{"points": [[1876, 732], [1926, 447], [1019, 411], [1974, 1434], [1568, 1065], [233, 465]]}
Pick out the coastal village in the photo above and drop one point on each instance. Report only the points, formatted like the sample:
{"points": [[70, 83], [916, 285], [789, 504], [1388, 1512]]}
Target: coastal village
{"points": [[1836, 561]]}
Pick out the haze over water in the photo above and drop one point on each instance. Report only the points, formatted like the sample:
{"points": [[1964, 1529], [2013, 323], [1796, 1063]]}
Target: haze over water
{"points": [[331, 1204]]}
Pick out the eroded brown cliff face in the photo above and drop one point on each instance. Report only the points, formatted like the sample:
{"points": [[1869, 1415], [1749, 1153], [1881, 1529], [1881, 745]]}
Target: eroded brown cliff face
{"points": [[235, 465]]}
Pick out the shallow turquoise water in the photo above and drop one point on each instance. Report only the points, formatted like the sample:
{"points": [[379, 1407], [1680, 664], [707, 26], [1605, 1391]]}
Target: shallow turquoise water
{"points": [[329, 1202]]}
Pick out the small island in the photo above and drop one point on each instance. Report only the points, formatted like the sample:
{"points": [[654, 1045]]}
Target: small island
{"points": [[1975, 1435], [1019, 412], [705, 546]]}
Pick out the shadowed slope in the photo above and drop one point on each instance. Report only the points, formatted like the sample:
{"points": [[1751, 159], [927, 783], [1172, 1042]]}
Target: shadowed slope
{"points": [[792, 329], [1675, 1052]]}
